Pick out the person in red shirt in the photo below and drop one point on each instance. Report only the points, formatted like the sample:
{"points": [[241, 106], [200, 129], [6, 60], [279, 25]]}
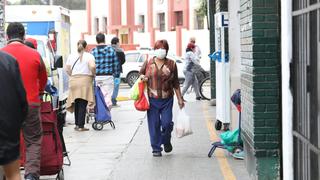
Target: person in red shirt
{"points": [[34, 77]]}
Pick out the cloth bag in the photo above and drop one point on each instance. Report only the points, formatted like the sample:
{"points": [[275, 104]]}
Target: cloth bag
{"points": [[142, 104], [183, 127]]}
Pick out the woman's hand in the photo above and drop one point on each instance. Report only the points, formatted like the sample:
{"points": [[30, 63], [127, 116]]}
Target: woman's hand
{"points": [[181, 103], [143, 78]]}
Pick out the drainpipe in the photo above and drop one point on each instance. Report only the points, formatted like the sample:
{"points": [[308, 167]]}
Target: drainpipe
{"points": [[287, 101]]}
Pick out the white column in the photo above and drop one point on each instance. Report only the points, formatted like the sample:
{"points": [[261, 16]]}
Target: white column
{"points": [[287, 102]]}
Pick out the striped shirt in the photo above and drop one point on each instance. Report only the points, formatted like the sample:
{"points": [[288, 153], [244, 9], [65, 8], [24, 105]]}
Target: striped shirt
{"points": [[106, 61], [161, 80]]}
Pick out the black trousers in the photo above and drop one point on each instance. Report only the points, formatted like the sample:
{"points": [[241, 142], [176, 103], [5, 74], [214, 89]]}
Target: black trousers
{"points": [[80, 108]]}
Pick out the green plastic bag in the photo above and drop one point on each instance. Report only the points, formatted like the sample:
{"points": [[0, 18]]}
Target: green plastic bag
{"points": [[229, 137], [134, 92]]}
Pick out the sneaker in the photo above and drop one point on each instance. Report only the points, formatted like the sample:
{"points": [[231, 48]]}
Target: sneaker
{"points": [[76, 127], [198, 98], [238, 155], [167, 147], [82, 129], [31, 176], [115, 105], [157, 154]]}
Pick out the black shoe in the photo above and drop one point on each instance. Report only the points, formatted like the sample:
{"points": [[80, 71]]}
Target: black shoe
{"points": [[156, 154], [31, 176], [167, 147]]}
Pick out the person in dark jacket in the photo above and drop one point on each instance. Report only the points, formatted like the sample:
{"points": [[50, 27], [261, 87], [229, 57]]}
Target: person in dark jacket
{"points": [[34, 77], [13, 111], [121, 59]]}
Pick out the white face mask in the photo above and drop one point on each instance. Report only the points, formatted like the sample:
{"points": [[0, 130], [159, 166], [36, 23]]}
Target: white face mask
{"points": [[160, 53]]}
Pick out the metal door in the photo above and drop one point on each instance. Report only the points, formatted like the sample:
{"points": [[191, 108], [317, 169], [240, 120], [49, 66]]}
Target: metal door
{"points": [[306, 89]]}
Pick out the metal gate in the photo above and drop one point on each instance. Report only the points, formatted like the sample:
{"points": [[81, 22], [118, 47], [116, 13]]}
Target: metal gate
{"points": [[306, 89]]}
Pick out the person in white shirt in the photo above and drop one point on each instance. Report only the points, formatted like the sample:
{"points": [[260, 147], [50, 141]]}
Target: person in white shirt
{"points": [[81, 68], [188, 70], [197, 50]]}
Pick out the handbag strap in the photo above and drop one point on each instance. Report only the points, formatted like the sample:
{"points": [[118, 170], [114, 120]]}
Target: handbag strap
{"points": [[75, 63]]}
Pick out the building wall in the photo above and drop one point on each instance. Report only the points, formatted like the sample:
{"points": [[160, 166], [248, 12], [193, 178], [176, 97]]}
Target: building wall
{"points": [[124, 12], [99, 9], [260, 85], [141, 9], [77, 26], [102, 9]]}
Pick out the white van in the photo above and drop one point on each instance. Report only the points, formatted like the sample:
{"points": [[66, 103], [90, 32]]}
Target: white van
{"points": [[55, 71]]}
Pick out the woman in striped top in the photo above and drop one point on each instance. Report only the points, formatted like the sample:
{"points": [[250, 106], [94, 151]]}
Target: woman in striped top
{"points": [[161, 75]]}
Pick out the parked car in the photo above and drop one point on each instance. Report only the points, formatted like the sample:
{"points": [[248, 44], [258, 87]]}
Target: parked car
{"points": [[134, 61]]}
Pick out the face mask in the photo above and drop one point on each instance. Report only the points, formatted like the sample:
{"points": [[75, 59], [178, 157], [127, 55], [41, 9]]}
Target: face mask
{"points": [[160, 53]]}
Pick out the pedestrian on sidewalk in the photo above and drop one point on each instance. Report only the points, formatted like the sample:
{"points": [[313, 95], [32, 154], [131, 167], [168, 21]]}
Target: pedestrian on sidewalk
{"points": [[189, 70], [34, 77], [197, 50], [121, 60], [107, 67], [13, 111], [161, 75], [81, 69]]}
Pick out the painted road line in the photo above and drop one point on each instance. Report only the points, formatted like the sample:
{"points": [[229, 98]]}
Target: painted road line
{"points": [[219, 154]]}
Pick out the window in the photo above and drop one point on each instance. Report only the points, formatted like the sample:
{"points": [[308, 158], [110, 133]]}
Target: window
{"points": [[306, 89], [105, 24], [198, 21], [141, 22], [179, 18], [96, 25], [161, 22], [132, 57]]}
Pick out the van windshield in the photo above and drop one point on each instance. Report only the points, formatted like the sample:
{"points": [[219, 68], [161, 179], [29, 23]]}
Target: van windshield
{"points": [[41, 49]]}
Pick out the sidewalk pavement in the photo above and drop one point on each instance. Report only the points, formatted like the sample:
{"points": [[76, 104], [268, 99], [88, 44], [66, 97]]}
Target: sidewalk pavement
{"points": [[125, 153]]}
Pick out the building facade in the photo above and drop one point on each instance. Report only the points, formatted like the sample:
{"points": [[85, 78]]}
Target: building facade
{"points": [[278, 54], [139, 23]]}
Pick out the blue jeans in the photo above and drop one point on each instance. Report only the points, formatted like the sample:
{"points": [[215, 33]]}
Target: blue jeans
{"points": [[160, 122], [115, 91]]}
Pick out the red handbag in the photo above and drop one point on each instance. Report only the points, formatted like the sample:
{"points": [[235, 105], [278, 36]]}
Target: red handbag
{"points": [[142, 103]]}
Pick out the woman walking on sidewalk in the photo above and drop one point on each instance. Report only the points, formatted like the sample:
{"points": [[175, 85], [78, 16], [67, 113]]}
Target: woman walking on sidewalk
{"points": [[81, 69], [189, 71], [161, 76]]}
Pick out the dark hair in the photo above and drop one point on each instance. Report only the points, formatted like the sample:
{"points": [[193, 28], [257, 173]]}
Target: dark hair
{"points": [[82, 44], [100, 38], [114, 40], [15, 30], [161, 44]]}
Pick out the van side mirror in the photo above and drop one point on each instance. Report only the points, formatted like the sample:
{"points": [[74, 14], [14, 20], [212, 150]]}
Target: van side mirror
{"points": [[58, 62]]}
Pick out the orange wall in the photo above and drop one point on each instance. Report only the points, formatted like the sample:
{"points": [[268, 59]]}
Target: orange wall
{"points": [[114, 12]]}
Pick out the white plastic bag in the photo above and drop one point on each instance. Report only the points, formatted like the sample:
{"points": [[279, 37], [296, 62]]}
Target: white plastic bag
{"points": [[183, 127]]}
